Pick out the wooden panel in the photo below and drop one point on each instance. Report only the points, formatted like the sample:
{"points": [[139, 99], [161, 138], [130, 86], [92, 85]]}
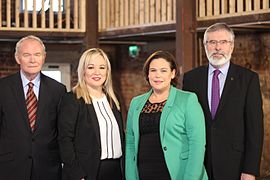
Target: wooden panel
{"points": [[59, 15], [257, 4], [136, 12], [67, 14], [163, 13], [108, 17], [82, 16], [126, 13], [170, 6], [142, 11], [51, 16], [112, 13], [209, 7], [158, 11], [232, 6], [25, 14], [265, 4], [131, 12], [43, 18], [117, 14], [240, 6], [147, 11], [224, 6], [8, 13], [76, 14], [201, 4], [216, 7], [122, 5], [1, 13], [17, 13], [152, 11], [248, 5], [34, 14], [174, 10]]}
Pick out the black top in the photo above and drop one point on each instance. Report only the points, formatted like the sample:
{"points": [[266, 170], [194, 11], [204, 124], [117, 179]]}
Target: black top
{"points": [[151, 162]]}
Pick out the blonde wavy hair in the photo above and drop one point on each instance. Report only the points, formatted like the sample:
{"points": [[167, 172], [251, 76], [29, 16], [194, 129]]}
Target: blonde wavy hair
{"points": [[81, 88]]}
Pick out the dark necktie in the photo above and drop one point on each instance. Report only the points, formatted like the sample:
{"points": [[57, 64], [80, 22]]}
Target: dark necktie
{"points": [[215, 93], [31, 105]]}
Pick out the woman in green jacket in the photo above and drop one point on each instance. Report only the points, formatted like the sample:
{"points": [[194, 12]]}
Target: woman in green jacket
{"points": [[165, 128]]}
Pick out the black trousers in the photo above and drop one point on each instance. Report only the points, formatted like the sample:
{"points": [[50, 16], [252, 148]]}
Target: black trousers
{"points": [[109, 169]]}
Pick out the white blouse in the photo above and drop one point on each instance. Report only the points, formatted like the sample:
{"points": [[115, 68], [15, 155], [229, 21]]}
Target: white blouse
{"points": [[109, 130]]}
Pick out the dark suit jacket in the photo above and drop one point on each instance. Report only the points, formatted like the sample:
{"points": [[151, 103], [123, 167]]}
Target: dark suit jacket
{"points": [[20, 149], [234, 138], [79, 137]]}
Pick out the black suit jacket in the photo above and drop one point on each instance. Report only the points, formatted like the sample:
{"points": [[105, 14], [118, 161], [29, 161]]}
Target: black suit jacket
{"points": [[234, 138], [79, 138], [22, 151]]}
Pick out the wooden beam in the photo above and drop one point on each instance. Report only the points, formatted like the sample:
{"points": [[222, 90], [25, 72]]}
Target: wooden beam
{"points": [[185, 35], [91, 35]]}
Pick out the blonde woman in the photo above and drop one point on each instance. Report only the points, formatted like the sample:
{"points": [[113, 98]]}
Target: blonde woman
{"points": [[90, 123]]}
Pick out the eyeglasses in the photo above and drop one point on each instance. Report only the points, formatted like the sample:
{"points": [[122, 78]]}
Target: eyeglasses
{"points": [[221, 42]]}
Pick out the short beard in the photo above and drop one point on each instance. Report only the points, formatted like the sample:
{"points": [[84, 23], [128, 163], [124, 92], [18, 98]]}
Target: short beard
{"points": [[218, 62]]}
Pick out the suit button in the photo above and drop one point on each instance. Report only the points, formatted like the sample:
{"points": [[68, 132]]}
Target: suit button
{"points": [[29, 157], [165, 148]]}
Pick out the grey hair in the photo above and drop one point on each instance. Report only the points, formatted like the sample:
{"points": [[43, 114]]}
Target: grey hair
{"points": [[18, 44], [218, 27]]}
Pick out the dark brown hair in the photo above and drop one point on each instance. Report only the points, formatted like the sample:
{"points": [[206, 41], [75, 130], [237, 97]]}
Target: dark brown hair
{"points": [[169, 58]]}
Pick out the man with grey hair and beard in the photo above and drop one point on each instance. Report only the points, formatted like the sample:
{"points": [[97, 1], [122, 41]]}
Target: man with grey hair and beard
{"points": [[232, 103]]}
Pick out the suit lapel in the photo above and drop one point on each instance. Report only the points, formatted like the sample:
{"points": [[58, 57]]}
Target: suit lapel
{"points": [[231, 76], [204, 92], [42, 102], [18, 92], [93, 117], [166, 111]]}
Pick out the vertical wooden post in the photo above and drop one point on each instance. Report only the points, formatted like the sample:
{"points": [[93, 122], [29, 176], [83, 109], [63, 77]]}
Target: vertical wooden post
{"points": [[34, 14], [186, 35], [8, 13], [25, 13], [59, 15], [17, 13], [51, 15], [1, 13], [76, 14], [43, 18], [91, 38]]}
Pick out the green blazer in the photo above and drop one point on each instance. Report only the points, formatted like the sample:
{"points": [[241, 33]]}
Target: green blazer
{"points": [[182, 135]]}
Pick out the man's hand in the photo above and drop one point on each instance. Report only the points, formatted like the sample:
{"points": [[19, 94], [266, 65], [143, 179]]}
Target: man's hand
{"points": [[247, 177]]}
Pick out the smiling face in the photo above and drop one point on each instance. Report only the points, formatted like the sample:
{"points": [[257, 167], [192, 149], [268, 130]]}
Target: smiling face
{"points": [[30, 57], [219, 52], [95, 72], [160, 75]]}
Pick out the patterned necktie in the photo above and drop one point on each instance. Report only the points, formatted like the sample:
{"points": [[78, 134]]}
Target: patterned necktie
{"points": [[215, 93], [31, 105]]}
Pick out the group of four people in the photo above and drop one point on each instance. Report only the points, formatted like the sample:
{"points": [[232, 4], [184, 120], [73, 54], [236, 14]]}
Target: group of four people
{"points": [[212, 129]]}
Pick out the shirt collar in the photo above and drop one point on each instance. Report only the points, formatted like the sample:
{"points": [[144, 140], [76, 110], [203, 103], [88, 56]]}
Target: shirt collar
{"points": [[224, 69], [25, 81]]}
